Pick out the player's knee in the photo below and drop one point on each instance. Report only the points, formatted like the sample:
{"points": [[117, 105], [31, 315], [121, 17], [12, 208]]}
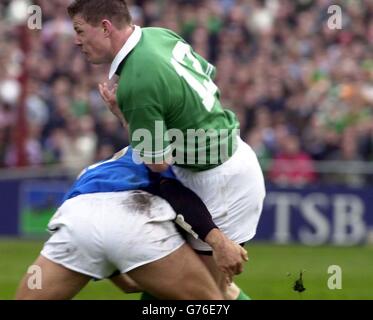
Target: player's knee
{"points": [[231, 292], [196, 289], [203, 290]]}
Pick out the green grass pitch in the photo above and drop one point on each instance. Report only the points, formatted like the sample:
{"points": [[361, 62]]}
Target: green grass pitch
{"points": [[266, 275]]}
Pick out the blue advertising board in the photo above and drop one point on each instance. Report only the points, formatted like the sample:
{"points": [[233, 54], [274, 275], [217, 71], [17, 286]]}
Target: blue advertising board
{"points": [[317, 215], [38, 203], [26, 205], [9, 207]]}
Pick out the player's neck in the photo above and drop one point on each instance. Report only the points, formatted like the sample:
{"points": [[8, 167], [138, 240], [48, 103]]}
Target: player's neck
{"points": [[120, 38]]}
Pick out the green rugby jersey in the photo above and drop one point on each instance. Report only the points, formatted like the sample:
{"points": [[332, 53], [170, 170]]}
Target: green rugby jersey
{"points": [[171, 105]]}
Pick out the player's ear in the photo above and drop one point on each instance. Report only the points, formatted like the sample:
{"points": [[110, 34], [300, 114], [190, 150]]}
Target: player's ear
{"points": [[107, 27]]}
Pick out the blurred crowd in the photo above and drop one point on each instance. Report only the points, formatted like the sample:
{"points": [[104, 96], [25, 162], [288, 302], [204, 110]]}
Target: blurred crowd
{"points": [[303, 91]]}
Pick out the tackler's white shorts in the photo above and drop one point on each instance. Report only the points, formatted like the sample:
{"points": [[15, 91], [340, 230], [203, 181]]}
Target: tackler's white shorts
{"points": [[233, 192], [98, 234]]}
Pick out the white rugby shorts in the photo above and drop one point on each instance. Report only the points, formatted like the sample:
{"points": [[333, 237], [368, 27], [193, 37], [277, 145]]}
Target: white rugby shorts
{"points": [[233, 192], [97, 234]]}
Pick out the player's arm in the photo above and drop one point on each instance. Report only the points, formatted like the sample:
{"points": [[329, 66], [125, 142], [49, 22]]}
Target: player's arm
{"points": [[109, 96], [191, 212], [194, 217], [148, 136]]}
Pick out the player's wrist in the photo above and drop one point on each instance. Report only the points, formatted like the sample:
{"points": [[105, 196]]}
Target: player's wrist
{"points": [[215, 238]]}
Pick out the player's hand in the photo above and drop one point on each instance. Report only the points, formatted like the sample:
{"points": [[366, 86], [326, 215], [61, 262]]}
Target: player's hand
{"points": [[108, 95], [110, 98], [230, 259], [228, 255]]}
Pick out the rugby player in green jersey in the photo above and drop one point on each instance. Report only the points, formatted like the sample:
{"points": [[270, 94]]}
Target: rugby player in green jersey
{"points": [[166, 95]]}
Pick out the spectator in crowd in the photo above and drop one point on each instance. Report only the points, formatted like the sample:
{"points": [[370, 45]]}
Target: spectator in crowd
{"points": [[291, 166]]}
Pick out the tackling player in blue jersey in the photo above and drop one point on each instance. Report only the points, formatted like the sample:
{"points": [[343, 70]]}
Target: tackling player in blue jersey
{"points": [[112, 219]]}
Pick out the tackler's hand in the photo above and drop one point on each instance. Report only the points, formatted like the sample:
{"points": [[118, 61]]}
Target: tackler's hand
{"points": [[228, 255]]}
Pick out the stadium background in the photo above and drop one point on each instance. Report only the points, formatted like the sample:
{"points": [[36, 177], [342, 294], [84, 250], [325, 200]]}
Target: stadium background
{"points": [[303, 93]]}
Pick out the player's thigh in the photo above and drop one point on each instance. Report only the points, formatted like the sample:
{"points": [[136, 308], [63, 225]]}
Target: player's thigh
{"points": [[50, 281], [180, 275]]}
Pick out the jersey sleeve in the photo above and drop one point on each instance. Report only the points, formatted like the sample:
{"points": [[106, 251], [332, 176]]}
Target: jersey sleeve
{"points": [[144, 99], [191, 213], [147, 131], [144, 102]]}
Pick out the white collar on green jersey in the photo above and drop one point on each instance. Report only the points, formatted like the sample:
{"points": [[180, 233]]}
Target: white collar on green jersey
{"points": [[132, 41]]}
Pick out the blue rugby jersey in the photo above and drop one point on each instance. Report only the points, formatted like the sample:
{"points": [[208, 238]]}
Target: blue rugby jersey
{"points": [[120, 173]]}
